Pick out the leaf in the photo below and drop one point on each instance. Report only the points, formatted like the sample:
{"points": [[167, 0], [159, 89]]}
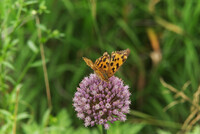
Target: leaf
{"points": [[14, 42], [45, 118], [4, 113], [125, 128], [42, 27], [22, 116], [9, 65], [32, 46], [64, 119], [160, 131], [10, 79], [196, 130], [38, 63], [31, 2]]}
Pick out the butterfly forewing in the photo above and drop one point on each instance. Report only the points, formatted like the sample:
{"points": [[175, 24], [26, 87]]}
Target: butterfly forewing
{"points": [[102, 63], [89, 62], [117, 59]]}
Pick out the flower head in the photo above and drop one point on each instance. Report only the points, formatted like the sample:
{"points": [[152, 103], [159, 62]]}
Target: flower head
{"points": [[97, 102]]}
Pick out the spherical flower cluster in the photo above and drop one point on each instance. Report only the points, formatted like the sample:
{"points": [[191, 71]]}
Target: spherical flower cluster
{"points": [[98, 102]]}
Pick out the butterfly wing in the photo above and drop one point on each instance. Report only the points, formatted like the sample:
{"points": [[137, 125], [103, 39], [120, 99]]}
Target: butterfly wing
{"points": [[102, 63], [117, 59], [105, 67], [102, 66], [89, 62]]}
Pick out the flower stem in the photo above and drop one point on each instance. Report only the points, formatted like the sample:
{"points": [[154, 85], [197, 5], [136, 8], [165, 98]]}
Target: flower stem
{"points": [[104, 131]]}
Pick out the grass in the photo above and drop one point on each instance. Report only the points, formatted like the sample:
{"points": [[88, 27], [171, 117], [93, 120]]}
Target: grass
{"points": [[163, 37]]}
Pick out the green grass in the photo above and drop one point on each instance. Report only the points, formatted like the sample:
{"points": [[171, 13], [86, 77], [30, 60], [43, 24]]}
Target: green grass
{"points": [[70, 30]]}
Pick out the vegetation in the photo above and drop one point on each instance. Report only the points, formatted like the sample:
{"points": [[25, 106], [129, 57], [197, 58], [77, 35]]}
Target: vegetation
{"points": [[41, 48]]}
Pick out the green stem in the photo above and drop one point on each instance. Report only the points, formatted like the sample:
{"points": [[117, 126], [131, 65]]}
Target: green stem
{"points": [[104, 130]]}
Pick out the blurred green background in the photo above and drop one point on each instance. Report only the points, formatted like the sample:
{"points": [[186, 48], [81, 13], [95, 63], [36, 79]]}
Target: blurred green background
{"points": [[162, 69]]}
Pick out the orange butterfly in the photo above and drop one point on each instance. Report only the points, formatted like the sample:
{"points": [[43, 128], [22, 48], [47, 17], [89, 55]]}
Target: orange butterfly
{"points": [[105, 67]]}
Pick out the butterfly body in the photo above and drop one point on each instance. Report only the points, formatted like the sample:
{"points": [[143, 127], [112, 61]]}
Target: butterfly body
{"points": [[106, 66]]}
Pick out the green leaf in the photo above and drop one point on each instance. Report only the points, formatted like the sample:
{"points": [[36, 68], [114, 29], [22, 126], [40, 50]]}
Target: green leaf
{"points": [[31, 2], [32, 46], [10, 79], [45, 118], [4, 113], [22, 116], [42, 27], [160, 131], [195, 130], [9, 65], [38, 63]]}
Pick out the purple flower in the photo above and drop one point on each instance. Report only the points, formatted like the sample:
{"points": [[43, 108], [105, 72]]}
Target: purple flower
{"points": [[98, 102]]}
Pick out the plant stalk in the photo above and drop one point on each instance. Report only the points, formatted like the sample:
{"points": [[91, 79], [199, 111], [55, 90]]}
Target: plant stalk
{"points": [[44, 64], [16, 109], [104, 131]]}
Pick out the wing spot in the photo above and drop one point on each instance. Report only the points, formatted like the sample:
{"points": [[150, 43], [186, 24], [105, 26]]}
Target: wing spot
{"points": [[104, 59], [111, 63], [101, 65], [117, 58], [98, 62], [117, 65], [104, 66], [113, 69]]}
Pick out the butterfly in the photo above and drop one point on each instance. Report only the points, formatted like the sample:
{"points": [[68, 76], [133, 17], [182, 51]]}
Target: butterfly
{"points": [[106, 66]]}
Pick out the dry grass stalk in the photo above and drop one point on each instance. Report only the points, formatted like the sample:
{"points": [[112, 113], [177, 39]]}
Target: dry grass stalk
{"points": [[194, 115]]}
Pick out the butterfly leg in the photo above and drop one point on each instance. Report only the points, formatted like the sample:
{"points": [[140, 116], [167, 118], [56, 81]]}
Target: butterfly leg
{"points": [[100, 83]]}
